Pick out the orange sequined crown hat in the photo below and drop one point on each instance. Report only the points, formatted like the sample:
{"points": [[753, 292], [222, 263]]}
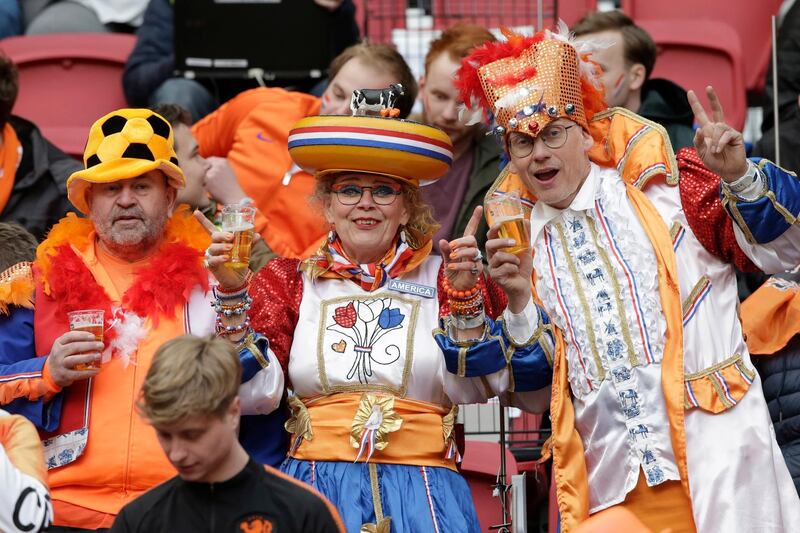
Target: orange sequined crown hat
{"points": [[125, 144], [527, 82]]}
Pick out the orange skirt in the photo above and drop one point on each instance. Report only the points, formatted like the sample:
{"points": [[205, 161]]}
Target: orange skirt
{"points": [[663, 508]]}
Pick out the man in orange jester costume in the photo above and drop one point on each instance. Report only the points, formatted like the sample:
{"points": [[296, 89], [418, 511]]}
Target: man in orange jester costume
{"points": [[142, 264], [655, 405]]}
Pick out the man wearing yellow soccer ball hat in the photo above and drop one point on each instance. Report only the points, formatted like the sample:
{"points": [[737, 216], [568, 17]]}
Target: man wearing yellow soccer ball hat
{"points": [[139, 261]]}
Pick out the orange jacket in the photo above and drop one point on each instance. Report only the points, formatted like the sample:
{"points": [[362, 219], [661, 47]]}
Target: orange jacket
{"points": [[122, 458], [252, 131]]}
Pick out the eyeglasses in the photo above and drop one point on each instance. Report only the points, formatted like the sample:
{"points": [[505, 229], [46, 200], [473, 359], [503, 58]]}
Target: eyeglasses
{"points": [[350, 194], [521, 144]]}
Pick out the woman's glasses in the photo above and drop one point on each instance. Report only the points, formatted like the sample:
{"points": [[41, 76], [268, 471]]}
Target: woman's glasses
{"points": [[521, 145], [350, 194]]}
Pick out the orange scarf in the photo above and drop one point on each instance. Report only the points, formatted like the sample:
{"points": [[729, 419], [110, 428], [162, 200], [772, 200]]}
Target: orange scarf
{"points": [[10, 155], [332, 262]]}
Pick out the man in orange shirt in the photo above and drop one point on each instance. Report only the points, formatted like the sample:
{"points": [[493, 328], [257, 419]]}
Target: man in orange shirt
{"points": [[142, 265], [252, 132]]}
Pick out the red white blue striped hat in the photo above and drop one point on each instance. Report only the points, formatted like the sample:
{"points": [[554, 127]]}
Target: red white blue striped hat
{"points": [[400, 149]]}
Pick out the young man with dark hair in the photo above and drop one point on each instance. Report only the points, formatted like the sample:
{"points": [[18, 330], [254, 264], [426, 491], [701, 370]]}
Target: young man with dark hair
{"points": [[627, 61], [34, 194], [191, 398]]}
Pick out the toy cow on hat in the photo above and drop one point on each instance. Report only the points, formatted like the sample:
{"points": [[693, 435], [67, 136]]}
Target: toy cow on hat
{"points": [[377, 101]]}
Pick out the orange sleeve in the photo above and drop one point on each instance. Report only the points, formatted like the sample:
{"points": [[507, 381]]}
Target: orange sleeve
{"points": [[47, 378], [216, 132], [28, 385]]}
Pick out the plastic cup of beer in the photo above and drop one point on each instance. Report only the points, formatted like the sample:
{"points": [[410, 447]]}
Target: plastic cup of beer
{"points": [[507, 211], [239, 220], [91, 320]]}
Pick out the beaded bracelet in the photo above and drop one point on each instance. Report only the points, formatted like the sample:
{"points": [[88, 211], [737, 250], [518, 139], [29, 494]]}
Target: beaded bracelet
{"points": [[221, 295], [223, 330], [454, 294], [475, 301], [248, 277], [230, 310]]}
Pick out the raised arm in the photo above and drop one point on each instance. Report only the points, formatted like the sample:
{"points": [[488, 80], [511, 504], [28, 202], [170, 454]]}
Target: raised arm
{"points": [[263, 377], [762, 199], [509, 354]]}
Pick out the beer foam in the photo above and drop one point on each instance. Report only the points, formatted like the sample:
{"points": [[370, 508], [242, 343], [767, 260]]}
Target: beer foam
{"points": [[500, 220], [243, 227]]}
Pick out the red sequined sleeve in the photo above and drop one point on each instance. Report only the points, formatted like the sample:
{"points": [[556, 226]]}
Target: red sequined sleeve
{"points": [[494, 299], [700, 197], [276, 291]]}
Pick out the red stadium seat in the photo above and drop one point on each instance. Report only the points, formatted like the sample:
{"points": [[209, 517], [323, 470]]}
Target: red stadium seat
{"points": [[571, 11], [695, 54], [750, 21], [67, 81]]}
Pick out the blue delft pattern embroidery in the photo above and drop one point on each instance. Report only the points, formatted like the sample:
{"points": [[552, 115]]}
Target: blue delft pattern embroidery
{"points": [[64, 449], [595, 279]]}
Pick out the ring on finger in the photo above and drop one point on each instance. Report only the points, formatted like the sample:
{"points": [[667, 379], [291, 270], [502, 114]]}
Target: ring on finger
{"points": [[478, 256], [208, 254]]}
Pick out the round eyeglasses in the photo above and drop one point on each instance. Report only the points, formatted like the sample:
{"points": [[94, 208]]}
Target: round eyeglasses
{"points": [[521, 145], [350, 193]]}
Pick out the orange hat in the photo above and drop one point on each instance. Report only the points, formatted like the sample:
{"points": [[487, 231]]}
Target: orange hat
{"points": [[125, 144], [527, 82]]}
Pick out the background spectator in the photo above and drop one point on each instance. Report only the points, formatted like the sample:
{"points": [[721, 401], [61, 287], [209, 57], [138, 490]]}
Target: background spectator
{"points": [[210, 184], [67, 16], [252, 132], [148, 79], [10, 19], [36, 194], [476, 156], [788, 50], [771, 322], [24, 501], [627, 64]]}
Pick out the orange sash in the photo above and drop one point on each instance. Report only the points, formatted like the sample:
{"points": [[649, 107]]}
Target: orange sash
{"points": [[329, 427]]}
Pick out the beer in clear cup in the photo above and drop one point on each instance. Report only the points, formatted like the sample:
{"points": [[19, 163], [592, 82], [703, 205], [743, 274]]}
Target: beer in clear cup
{"points": [[506, 210], [239, 220], [91, 320]]}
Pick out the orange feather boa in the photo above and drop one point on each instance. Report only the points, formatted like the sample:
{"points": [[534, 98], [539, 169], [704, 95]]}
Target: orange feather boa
{"points": [[166, 282]]}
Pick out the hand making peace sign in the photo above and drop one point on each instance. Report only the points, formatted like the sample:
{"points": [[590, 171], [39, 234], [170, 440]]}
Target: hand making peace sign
{"points": [[463, 261], [719, 145]]}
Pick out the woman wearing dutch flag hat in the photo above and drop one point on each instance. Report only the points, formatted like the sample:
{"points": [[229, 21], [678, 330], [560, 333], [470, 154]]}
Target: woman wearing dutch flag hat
{"points": [[374, 392]]}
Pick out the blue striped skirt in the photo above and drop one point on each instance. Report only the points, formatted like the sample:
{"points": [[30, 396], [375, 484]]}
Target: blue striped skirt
{"points": [[416, 499]]}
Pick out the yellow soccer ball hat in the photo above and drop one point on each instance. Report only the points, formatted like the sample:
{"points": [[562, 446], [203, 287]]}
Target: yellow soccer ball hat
{"points": [[125, 144]]}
